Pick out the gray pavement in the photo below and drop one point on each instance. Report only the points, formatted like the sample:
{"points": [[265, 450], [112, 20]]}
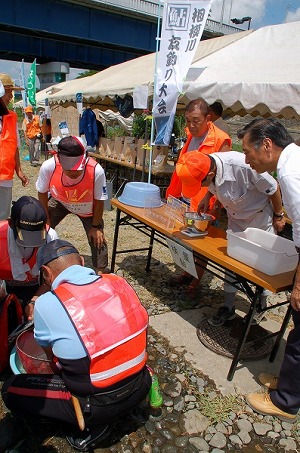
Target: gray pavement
{"points": [[180, 330]]}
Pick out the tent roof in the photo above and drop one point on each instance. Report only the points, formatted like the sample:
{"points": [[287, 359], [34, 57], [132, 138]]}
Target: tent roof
{"points": [[257, 74], [123, 78], [253, 72], [43, 94]]}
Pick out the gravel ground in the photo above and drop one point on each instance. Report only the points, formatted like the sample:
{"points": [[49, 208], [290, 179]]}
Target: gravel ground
{"points": [[194, 416]]}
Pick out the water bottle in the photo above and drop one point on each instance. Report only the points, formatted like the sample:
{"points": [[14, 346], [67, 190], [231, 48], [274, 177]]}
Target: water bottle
{"points": [[155, 397]]}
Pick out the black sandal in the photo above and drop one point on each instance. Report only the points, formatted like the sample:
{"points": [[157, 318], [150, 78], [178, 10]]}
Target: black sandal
{"points": [[181, 279], [89, 438]]}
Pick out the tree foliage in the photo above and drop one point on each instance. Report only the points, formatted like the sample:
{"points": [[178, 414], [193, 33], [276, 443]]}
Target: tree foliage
{"points": [[139, 125], [86, 73]]}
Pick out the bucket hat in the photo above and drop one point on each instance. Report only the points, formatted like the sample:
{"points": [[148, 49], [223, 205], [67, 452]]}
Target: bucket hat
{"points": [[8, 82]]}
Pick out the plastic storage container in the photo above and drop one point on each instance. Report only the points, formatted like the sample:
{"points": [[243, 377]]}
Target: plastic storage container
{"points": [[15, 362], [262, 250], [141, 195]]}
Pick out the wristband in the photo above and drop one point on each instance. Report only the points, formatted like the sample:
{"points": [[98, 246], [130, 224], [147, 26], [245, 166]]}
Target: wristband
{"points": [[33, 300], [97, 226], [278, 216]]}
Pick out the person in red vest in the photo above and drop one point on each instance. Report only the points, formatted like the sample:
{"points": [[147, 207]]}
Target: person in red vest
{"points": [[77, 185], [20, 238], [9, 147], [205, 137], [96, 328]]}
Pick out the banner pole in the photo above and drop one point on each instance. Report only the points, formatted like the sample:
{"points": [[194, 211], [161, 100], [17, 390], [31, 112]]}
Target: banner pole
{"points": [[154, 86]]}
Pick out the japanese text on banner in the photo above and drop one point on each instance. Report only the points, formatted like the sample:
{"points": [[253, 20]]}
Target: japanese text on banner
{"points": [[182, 27], [183, 257], [31, 89]]}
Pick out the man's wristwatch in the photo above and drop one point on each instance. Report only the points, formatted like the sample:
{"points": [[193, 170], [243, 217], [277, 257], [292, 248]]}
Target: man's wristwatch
{"points": [[97, 226], [278, 216], [33, 300]]}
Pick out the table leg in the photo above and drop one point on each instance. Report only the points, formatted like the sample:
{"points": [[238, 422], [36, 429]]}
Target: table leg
{"points": [[243, 338], [118, 176], [115, 243], [281, 333], [150, 250]]}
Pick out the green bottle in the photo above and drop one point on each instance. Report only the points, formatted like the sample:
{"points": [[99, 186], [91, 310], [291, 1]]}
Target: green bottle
{"points": [[155, 397]]}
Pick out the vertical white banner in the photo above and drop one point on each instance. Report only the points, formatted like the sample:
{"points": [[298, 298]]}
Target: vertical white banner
{"points": [[23, 84], [182, 27]]}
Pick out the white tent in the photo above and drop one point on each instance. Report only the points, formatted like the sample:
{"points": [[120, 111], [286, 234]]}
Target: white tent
{"points": [[259, 74], [249, 72], [100, 89], [44, 94]]}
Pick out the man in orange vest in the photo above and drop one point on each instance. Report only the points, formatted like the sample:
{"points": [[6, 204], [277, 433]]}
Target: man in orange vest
{"points": [[205, 137], [33, 133], [9, 148], [96, 327]]}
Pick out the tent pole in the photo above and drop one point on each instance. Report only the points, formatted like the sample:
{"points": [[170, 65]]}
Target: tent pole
{"points": [[144, 150], [154, 88]]}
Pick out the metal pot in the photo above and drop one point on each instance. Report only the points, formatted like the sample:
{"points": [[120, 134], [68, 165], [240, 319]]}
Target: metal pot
{"points": [[200, 222]]}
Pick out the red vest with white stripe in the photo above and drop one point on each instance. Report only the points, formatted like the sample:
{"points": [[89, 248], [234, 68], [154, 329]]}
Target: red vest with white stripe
{"points": [[78, 198], [112, 325], [5, 266]]}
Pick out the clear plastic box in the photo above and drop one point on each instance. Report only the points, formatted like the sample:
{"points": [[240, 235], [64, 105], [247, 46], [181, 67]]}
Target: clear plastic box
{"points": [[262, 250], [176, 208]]}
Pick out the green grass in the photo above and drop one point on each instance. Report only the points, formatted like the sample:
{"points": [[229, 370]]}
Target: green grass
{"points": [[218, 408]]}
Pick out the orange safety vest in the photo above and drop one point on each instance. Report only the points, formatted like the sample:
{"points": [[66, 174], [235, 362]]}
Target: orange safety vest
{"points": [[46, 127], [79, 198], [212, 143], [8, 146], [112, 325], [5, 266], [32, 128]]}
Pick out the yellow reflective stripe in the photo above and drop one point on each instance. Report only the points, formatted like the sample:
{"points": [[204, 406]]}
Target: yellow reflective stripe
{"points": [[118, 369]]}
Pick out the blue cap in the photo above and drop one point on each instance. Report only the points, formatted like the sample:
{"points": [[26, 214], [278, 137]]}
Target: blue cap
{"points": [[53, 250]]}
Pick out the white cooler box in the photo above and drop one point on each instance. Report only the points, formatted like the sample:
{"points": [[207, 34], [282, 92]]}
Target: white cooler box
{"points": [[263, 251]]}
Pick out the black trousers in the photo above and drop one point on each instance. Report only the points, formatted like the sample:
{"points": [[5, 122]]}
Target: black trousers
{"points": [[287, 395], [46, 396]]}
